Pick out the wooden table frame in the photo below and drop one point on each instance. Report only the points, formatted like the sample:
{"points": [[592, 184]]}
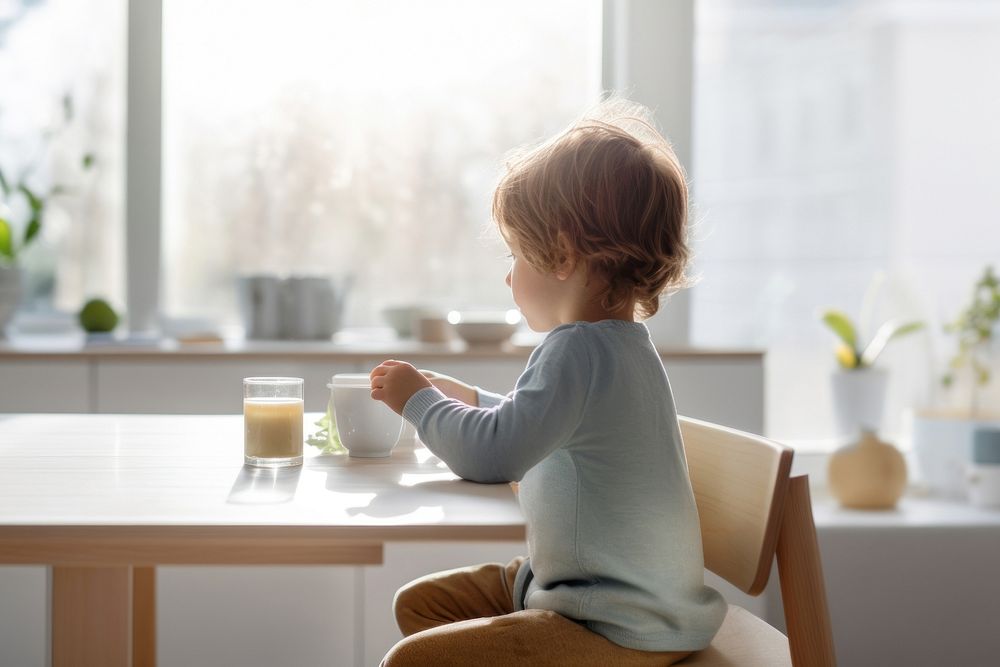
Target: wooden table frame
{"points": [[104, 577]]}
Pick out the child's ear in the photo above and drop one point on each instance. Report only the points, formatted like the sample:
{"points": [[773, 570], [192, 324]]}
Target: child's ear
{"points": [[567, 258]]}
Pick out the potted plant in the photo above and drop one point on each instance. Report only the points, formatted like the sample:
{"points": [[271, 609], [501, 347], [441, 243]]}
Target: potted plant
{"points": [[974, 328], [16, 236], [864, 473], [858, 386], [943, 435], [12, 243]]}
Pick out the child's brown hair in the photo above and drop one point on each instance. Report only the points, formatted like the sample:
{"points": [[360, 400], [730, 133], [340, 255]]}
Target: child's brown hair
{"points": [[610, 190]]}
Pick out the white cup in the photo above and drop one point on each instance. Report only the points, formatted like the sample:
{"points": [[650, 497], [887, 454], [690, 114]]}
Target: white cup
{"points": [[367, 428]]}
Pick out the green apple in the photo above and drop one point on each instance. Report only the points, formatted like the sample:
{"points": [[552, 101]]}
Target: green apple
{"points": [[97, 316]]}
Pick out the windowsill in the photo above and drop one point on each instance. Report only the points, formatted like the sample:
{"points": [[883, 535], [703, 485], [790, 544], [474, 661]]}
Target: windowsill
{"points": [[912, 511]]}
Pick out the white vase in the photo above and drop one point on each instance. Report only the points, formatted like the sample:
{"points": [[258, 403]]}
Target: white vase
{"points": [[10, 294], [858, 400]]}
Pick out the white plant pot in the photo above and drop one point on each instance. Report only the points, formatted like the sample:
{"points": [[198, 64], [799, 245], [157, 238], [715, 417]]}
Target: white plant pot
{"points": [[942, 445], [858, 400], [10, 294]]}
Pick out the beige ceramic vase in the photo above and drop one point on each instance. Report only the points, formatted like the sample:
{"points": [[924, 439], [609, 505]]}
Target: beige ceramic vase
{"points": [[869, 474]]}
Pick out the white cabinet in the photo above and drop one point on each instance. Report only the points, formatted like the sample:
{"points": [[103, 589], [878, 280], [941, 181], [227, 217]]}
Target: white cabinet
{"points": [[201, 387], [724, 389], [258, 616], [43, 385]]}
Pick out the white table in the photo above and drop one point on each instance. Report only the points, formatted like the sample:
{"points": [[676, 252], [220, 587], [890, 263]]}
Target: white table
{"points": [[103, 499]]}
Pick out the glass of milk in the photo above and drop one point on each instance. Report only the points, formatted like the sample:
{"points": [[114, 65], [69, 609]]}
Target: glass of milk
{"points": [[367, 428], [272, 421]]}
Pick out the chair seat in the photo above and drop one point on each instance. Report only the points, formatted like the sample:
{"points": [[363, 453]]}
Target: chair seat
{"points": [[743, 641]]}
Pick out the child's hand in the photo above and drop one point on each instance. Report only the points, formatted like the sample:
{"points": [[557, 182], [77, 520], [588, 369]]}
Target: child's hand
{"points": [[453, 388], [394, 382]]}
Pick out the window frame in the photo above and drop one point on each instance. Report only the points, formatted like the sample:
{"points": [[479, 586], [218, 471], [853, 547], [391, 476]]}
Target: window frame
{"points": [[638, 37]]}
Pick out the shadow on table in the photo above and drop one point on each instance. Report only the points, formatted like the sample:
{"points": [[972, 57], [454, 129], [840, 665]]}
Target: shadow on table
{"points": [[405, 452], [264, 486], [414, 492], [393, 494]]}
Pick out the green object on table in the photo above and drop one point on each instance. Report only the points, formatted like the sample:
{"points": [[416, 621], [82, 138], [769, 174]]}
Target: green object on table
{"points": [[326, 439]]}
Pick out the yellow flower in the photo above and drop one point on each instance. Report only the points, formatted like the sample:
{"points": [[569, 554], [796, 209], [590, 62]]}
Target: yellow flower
{"points": [[846, 356]]}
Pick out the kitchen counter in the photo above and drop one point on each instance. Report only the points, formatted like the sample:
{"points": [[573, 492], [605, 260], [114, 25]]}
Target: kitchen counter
{"points": [[345, 346]]}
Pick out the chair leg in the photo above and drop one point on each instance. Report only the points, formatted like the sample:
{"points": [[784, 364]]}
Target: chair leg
{"points": [[800, 571]]}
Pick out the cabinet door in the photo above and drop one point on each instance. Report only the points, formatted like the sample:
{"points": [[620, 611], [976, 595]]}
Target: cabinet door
{"points": [[258, 616], [23, 615], [192, 386], [44, 386]]}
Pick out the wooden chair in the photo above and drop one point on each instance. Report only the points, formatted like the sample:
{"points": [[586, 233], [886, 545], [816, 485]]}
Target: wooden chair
{"points": [[751, 510]]}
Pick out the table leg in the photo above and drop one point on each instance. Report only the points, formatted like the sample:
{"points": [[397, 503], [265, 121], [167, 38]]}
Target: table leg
{"points": [[143, 617], [103, 617], [91, 616]]}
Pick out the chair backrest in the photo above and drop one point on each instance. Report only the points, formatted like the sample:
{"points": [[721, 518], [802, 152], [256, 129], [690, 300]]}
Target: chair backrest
{"points": [[739, 481], [752, 511]]}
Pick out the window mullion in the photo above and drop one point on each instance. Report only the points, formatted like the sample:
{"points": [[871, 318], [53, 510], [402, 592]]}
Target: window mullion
{"points": [[143, 164]]}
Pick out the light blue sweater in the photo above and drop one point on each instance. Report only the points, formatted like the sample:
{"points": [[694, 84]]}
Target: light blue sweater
{"points": [[591, 433]]}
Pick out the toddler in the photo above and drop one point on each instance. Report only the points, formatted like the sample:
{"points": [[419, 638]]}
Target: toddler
{"points": [[595, 220]]}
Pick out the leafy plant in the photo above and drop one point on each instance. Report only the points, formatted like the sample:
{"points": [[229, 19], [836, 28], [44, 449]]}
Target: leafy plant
{"points": [[974, 328], [850, 354], [12, 243], [326, 438], [10, 246]]}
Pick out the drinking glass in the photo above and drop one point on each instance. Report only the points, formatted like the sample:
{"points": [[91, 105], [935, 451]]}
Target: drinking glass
{"points": [[272, 421]]}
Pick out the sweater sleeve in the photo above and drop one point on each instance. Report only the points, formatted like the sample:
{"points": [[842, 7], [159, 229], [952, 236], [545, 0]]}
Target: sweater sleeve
{"points": [[488, 399], [501, 442]]}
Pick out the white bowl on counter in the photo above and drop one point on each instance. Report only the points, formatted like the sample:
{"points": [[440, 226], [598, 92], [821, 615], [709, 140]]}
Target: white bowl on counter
{"points": [[485, 327]]}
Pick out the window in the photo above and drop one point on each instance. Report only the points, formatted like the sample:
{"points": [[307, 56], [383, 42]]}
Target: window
{"points": [[356, 138], [839, 145], [63, 100]]}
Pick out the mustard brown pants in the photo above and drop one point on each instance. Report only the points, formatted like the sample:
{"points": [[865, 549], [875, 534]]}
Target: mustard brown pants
{"points": [[466, 616]]}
